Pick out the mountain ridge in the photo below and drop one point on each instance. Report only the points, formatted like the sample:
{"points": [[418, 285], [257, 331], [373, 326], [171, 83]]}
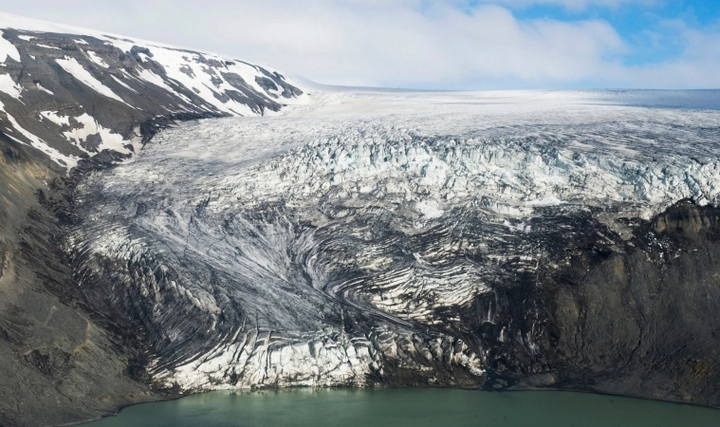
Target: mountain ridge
{"points": [[71, 96]]}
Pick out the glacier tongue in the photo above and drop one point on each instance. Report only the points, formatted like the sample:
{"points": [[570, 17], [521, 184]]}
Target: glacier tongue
{"points": [[350, 243]]}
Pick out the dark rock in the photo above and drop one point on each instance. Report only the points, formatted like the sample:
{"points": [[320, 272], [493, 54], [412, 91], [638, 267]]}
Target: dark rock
{"points": [[53, 362], [635, 322]]}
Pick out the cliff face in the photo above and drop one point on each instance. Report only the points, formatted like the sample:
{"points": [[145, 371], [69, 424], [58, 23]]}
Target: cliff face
{"points": [[57, 363], [633, 316]]}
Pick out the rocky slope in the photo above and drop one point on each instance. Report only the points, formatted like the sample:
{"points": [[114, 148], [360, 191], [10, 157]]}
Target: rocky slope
{"points": [[74, 97]]}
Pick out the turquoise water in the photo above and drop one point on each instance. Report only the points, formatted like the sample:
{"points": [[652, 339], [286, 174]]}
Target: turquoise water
{"points": [[408, 407]]}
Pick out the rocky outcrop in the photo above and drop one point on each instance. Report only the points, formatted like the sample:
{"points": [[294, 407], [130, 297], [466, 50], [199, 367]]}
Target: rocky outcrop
{"points": [[58, 363], [631, 316]]}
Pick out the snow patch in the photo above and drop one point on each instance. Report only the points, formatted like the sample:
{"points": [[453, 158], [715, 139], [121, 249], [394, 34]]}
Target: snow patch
{"points": [[8, 85], [8, 50], [76, 69], [44, 89], [121, 83], [55, 118], [96, 59], [47, 46], [89, 126]]}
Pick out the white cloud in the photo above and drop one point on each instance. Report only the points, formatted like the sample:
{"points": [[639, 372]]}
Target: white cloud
{"points": [[409, 43], [405, 46], [574, 5], [696, 67]]}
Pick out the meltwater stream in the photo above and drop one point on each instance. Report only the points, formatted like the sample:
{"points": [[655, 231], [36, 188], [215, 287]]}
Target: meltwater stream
{"points": [[409, 407]]}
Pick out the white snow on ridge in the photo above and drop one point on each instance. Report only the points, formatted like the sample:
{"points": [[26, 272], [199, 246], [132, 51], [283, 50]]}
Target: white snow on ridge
{"points": [[96, 59], [8, 50], [169, 56], [55, 118], [8, 86], [23, 23], [123, 84], [89, 126], [186, 68], [17, 22], [76, 69]]}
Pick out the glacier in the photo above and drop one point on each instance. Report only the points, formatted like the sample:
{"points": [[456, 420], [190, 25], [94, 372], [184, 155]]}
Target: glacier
{"points": [[365, 238]]}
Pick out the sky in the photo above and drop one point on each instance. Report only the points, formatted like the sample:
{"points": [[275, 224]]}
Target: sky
{"points": [[422, 44]]}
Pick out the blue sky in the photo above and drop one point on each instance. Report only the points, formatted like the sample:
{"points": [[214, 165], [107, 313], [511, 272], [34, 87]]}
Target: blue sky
{"points": [[442, 44], [645, 26]]}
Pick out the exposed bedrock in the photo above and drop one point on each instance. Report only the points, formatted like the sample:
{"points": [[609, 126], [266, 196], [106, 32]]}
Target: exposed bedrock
{"points": [[637, 317], [58, 363]]}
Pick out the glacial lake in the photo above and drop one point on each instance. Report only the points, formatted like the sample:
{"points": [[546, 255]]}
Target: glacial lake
{"points": [[408, 408]]}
